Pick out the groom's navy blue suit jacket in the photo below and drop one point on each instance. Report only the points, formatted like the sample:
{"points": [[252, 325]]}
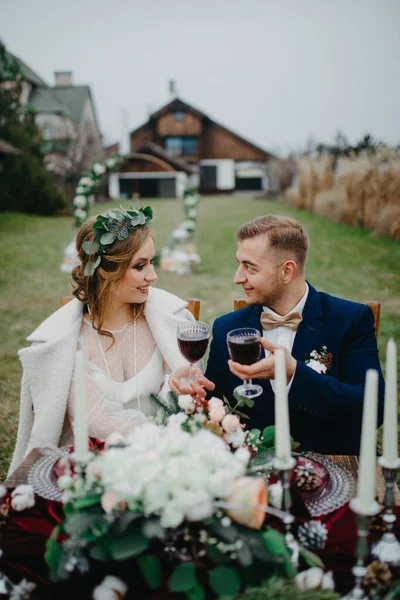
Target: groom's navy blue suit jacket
{"points": [[325, 410]]}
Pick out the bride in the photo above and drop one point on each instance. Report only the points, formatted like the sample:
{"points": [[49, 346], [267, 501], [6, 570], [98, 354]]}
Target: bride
{"points": [[125, 328]]}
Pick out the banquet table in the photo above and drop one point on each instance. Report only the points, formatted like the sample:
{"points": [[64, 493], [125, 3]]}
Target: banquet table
{"points": [[24, 536], [351, 463]]}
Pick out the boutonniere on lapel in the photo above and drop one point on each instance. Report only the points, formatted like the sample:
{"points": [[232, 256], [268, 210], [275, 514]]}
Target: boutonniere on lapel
{"points": [[320, 361]]}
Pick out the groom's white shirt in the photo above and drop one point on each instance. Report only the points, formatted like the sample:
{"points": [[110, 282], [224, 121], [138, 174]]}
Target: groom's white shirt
{"points": [[48, 366]]}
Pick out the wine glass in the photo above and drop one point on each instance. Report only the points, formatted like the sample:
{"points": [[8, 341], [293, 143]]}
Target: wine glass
{"points": [[245, 348], [193, 337]]}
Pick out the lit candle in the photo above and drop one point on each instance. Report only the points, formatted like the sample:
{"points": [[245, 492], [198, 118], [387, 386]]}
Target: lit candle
{"points": [[283, 452], [390, 448], [367, 474], [81, 431]]}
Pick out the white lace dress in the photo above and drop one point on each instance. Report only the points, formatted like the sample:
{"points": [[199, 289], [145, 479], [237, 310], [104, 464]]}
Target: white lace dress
{"points": [[120, 377]]}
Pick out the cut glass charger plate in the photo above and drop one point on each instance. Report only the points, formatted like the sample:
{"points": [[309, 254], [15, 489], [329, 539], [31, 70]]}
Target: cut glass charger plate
{"points": [[339, 489], [41, 474]]}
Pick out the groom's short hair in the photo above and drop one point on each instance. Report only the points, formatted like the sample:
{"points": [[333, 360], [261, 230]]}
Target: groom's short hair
{"points": [[284, 234]]}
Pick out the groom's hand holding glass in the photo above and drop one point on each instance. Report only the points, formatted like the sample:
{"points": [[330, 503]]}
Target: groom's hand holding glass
{"points": [[264, 368]]}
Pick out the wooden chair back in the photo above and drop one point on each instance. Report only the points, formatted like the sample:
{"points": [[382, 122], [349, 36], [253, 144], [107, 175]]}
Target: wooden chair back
{"points": [[193, 305], [374, 306]]}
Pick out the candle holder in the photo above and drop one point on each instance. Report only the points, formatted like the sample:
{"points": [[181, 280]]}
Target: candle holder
{"points": [[285, 470], [387, 549], [360, 570], [80, 462]]}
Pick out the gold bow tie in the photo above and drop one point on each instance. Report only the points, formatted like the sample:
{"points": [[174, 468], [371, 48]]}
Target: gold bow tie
{"points": [[292, 320]]}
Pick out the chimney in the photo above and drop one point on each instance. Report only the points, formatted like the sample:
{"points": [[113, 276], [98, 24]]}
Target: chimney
{"points": [[63, 78]]}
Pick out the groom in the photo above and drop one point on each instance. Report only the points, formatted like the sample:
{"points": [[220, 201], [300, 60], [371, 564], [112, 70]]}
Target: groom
{"points": [[329, 342]]}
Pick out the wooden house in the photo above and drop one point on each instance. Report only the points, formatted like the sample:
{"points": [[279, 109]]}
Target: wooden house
{"points": [[198, 151]]}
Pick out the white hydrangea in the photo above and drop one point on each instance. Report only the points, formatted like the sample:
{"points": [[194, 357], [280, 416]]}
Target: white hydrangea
{"points": [[168, 471]]}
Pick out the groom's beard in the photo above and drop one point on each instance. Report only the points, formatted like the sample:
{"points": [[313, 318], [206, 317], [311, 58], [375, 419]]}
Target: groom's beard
{"points": [[271, 298]]}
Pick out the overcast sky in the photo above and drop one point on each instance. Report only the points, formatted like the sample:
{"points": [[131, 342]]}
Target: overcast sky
{"points": [[275, 71]]}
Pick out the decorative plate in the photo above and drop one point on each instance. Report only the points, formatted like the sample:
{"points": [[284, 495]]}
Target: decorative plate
{"points": [[41, 475], [339, 488]]}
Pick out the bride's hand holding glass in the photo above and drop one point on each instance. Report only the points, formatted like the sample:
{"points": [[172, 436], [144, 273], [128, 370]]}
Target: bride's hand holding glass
{"points": [[193, 338]]}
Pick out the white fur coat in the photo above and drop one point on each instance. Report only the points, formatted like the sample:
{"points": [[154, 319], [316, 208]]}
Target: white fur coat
{"points": [[48, 366]]}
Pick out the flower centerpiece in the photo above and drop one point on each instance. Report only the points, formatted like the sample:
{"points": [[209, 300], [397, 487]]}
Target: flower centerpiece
{"points": [[176, 503]]}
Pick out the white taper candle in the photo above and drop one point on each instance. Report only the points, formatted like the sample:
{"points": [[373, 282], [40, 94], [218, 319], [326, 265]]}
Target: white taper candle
{"points": [[81, 431], [390, 421], [282, 430], [367, 474]]}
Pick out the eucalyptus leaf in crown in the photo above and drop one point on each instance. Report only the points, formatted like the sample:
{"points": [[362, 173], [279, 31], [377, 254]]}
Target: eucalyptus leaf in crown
{"points": [[115, 225]]}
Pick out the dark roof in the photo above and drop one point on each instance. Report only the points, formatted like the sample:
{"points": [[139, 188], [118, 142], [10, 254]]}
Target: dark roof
{"points": [[27, 73], [74, 98], [177, 104], [7, 148], [156, 150], [45, 100]]}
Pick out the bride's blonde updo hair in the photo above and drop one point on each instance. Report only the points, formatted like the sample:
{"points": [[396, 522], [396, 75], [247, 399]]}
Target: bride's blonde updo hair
{"points": [[96, 291]]}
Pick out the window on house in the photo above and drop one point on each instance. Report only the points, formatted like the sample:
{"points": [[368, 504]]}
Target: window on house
{"points": [[179, 115], [181, 146]]}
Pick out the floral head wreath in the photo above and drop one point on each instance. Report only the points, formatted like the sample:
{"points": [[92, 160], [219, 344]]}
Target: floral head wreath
{"points": [[115, 225]]}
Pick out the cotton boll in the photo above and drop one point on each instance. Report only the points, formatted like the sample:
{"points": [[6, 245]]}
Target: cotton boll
{"points": [[22, 497], [111, 588]]}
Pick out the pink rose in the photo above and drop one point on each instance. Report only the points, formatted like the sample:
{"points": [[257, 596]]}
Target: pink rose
{"points": [[109, 501], [217, 413], [230, 423], [214, 402], [248, 492]]}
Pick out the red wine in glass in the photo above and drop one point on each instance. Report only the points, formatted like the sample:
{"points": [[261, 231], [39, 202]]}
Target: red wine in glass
{"points": [[193, 338], [245, 348]]}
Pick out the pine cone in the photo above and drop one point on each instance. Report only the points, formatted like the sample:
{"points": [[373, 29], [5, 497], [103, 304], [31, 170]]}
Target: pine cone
{"points": [[307, 483], [313, 535], [306, 478], [378, 576]]}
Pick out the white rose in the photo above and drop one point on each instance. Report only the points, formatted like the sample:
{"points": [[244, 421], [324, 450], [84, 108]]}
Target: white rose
{"points": [[80, 201], [192, 213], [111, 588], [80, 214], [236, 438], [186, 403], [99, 169], [86, 181], [230, 423], [317, 366], [215, 402], [22, 497], [111, 162], [217, 413]]}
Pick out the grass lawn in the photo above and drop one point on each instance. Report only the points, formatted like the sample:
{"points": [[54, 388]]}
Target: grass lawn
{"points": [[343, 260]]}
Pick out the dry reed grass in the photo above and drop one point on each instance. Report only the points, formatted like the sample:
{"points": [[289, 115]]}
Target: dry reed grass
{"points": [[362, 190]]}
